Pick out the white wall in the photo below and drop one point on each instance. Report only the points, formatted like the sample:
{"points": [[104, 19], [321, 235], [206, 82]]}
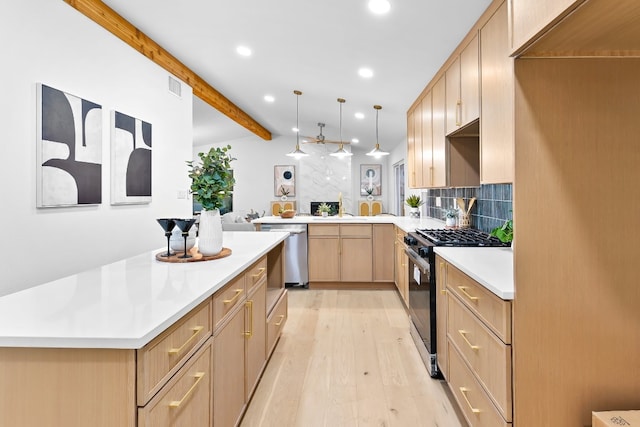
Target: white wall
{"points": [[254, 189], [50, 42]]}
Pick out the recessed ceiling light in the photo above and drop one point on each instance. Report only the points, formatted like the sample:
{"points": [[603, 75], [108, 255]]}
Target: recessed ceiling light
{"points": [[379, 7], [367, 73], [355, 140], [243, 51], [359, 115], [269, 98]]}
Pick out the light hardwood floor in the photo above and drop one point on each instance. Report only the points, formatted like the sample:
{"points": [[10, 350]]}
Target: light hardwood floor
{"points": [[345, 358]]}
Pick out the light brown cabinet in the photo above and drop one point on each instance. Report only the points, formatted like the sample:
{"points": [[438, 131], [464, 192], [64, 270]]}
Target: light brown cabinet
{"points": [[341, 253], [478, 348], [441, 316], [401, 266], [530, 18], [497, 88], [463, 88]]}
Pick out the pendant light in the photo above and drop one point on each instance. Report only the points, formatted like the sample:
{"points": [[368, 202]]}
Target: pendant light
{"points": [[297, 153], [341, 151], [377, 152]]}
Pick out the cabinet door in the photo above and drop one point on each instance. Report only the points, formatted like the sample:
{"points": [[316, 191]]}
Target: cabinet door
{"points": [[417, 137], [452, 77], [439, 139], [228, 368], [256, 338], [530, 17], [383, 260], [427, 141], [356, 259], [441, 316], [411, 149], [497, 132], [324, 263]]}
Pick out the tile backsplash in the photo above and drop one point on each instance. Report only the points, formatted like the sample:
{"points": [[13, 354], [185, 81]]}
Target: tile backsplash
{"points": [[494, 203]]}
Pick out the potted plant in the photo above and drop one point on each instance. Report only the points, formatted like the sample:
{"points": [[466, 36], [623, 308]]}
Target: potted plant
{"points": [[324, 209], [211, 182], [504, 232], [450, 216], [414, 201]]}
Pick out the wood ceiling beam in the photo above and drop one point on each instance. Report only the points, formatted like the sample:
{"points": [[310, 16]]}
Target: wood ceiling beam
{"points": [[106, 17]]}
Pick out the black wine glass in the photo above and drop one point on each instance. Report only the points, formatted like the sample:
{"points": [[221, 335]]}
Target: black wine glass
{"points": [[185, 226], [167, 225]]}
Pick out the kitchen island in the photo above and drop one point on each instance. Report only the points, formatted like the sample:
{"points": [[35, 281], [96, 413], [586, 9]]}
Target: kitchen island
{"points": [[136, 342]]}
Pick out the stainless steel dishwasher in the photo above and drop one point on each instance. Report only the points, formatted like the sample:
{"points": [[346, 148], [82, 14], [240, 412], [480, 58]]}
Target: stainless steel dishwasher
{"points": [[296, 270]]}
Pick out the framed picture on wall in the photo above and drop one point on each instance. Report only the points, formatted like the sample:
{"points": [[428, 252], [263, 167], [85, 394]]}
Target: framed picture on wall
{"points": [[284, 180], [370, 180], [130, 160], [69, 149]]}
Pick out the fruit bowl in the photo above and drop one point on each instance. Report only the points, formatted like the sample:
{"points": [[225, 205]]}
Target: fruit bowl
{"points": [[287, 214]]}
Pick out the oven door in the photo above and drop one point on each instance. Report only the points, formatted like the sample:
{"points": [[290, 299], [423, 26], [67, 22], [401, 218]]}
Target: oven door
{"points": [[422, 304]]}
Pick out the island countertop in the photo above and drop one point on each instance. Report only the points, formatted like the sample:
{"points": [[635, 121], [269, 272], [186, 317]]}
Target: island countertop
{"points": [[125, 304]]}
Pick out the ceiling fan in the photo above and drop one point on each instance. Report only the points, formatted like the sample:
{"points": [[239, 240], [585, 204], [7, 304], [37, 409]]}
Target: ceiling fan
{"points": [[320, 138]]}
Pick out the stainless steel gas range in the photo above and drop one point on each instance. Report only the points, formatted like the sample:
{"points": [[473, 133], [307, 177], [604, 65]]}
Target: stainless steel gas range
{"points": [[422, 282]]}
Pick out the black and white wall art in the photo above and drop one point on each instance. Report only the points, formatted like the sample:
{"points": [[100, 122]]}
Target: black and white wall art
{"points": [[370, 180], [69, 149], [130, 160], [284, 180]]}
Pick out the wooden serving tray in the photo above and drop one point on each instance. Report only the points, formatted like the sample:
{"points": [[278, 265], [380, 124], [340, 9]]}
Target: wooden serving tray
{"points": [[195, 256]]}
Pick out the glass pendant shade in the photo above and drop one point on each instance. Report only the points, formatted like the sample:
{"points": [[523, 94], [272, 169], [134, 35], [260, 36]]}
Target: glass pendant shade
{"points": [[297, 153], [377, 152]]}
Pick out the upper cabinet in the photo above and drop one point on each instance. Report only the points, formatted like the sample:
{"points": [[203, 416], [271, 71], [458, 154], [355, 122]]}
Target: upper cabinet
{"points": [[497, 90], [463, 88], [575, 28]]}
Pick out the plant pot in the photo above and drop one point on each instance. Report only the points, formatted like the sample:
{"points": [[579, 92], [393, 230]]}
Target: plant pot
{"points": [[210, 233], [414, 212], [325, 214], [450, 222]]}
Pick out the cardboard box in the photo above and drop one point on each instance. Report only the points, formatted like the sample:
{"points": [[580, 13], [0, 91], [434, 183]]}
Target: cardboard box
{"points": [[615, 419]]}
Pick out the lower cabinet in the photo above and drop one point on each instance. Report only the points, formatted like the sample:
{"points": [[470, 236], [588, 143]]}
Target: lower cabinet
{"points": [[401, 266], [441, 317], [186, 399], [478, 347]]}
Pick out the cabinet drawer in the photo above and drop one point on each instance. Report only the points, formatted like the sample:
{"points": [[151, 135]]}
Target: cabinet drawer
{"points": [[355, 230], [493, 311], [474, 403], [162, 357], [324, 230], [227, 298], [276, 322], [186, 399], [255, 274], [484, 352]]}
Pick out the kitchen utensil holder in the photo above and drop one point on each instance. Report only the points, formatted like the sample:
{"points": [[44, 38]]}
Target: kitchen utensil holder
{"points": [[464, 220]]}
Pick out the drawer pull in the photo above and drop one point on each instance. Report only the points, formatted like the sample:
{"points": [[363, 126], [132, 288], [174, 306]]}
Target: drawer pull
{"points": [[257, 276], [464, 337], [464, 391], [463, 289], [238, 293], [196, 331], [281, 320], [176, 403], [249, 305]]}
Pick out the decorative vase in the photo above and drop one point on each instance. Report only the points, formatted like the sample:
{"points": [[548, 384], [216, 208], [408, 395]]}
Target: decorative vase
{"points": [[414, 212], [210, 233], [176, 241], [325, 214], [450, 222]]}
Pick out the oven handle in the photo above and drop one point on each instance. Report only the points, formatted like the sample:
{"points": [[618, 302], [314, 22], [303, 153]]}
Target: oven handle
{"points": [[417, 260]]}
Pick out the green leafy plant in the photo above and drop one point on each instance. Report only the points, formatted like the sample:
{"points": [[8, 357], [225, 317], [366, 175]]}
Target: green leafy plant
{"points": [[323, 207], [504, 232], [451, 213], [212, 178], [414, 201]]}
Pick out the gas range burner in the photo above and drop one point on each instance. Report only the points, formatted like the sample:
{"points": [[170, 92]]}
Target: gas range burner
{"points": [[460, 237]]}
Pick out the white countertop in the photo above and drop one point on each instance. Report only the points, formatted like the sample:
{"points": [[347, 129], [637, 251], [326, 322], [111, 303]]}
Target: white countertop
{"points": [[491, 267], [406, 223], [124, 304]]}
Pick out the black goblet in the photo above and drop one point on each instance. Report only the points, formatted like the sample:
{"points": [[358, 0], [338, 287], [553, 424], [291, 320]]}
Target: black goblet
{"points": [[185, 226], [167, 225]]}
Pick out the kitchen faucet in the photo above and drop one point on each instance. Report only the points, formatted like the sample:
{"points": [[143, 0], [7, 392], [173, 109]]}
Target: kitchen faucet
{"points": [[340, 204]]}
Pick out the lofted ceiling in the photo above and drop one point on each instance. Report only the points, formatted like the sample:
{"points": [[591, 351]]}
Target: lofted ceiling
{"points": [[312, 46]]}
